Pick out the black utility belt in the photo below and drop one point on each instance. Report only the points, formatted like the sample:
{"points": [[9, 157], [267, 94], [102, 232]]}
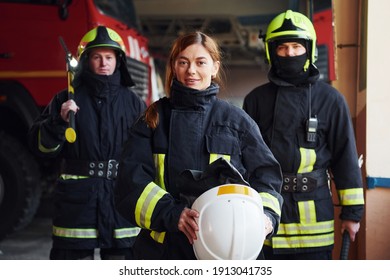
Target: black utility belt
{"points": [[304, 182], [96, 169]]}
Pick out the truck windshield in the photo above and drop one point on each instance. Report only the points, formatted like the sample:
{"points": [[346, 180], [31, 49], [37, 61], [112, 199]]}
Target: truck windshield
{"points": [[122, 10]]}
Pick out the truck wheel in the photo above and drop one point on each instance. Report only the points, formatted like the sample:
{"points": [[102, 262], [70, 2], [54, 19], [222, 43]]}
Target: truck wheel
{"points": [[20, 191]]}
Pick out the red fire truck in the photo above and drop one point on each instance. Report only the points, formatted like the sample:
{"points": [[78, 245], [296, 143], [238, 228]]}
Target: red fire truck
{"points": [[33, 69]]}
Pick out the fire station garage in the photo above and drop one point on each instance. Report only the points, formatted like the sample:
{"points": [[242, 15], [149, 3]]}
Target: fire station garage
{"points": [[350, 46]]}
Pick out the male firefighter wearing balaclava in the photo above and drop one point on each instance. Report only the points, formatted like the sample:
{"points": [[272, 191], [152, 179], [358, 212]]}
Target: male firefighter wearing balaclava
{"points": [[307, 125]]}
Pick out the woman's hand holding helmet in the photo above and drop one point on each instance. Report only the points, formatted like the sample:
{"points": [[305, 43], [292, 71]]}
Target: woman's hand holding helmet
{"points": [[267, 225], [187, 223]]}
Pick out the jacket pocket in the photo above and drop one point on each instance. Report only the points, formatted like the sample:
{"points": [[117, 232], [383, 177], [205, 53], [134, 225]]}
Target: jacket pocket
{"points": [[75, 202], [322, 200], [222, 141]]}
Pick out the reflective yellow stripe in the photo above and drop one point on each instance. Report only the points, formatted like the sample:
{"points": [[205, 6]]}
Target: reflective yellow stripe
{"points": [[75, 232], [307, 212], [42, 148], [126, 232], [353, 196], [304, 241], [271, 202], [93, 233], [306, 228], [146, 204], [267, 242], [307, 233], [214, 157], [159, 160], [308, 158], [72, 177], [158, 236]]}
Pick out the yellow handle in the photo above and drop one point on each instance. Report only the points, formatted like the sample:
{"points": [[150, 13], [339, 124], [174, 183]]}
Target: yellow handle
{"points": [[70, 135]]}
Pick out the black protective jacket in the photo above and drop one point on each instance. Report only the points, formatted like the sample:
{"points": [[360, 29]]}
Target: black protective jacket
{"points": [[282, 110], [194, 129], [85, 216]]}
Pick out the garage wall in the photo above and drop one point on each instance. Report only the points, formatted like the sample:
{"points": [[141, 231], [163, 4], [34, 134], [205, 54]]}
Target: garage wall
{"points": [[378, 132], [241, 80]]}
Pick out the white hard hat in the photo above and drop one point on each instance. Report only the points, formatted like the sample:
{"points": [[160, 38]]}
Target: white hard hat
{"points": [[231, 223]]}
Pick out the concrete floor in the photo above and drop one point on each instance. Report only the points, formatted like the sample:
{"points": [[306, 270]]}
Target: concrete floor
{"points": [[30, 243], [33, 242]]}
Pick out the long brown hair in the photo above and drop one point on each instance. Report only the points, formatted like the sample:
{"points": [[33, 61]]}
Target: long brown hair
{"points": [[180, 44]]}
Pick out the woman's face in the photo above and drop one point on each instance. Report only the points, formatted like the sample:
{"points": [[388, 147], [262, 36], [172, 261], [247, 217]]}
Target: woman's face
{"points": [[194, 67]]}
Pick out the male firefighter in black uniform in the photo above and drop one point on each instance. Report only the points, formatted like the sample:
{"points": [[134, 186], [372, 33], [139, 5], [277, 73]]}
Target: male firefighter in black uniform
{"points": [[307, 125], [85, 217]]}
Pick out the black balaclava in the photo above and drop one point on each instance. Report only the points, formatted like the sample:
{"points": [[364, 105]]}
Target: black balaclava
{"points": [[292, 69]]}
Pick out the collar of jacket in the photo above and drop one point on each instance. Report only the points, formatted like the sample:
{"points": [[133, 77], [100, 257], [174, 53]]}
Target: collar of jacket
{"points": [[313, 77], [101, 85], [182, 97]]}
